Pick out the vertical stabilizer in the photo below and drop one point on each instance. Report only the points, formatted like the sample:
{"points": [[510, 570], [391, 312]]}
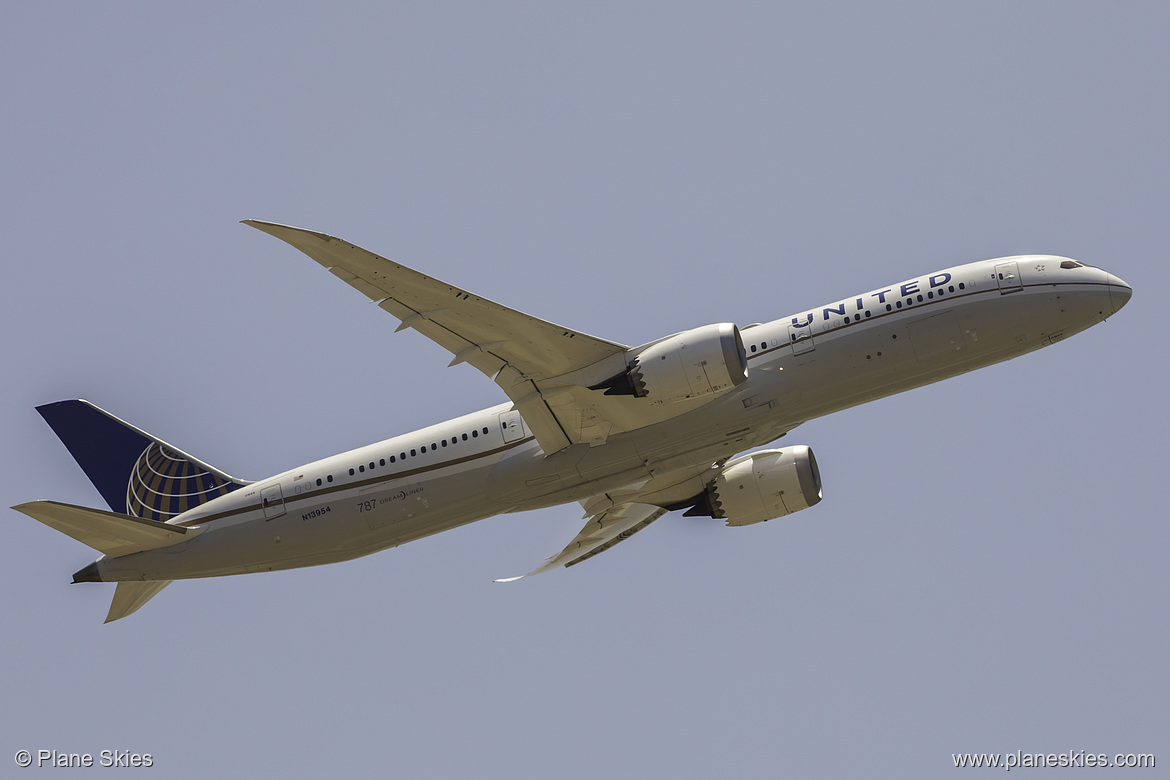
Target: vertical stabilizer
{"points": [[136, 473]]}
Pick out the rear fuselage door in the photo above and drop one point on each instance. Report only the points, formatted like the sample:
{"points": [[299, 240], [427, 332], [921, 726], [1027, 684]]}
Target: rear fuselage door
{"points": [[273, 502]]}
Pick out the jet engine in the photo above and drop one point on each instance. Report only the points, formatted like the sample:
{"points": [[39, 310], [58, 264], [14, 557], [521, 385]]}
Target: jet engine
{"points": [[703, 361], [762, 486]]}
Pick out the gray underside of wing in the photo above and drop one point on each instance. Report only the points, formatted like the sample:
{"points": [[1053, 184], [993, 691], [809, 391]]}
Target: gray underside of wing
{"points": [[603, 531]]}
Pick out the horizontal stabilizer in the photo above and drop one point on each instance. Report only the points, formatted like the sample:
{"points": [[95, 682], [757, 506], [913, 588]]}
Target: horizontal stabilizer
{"points": [[129, 596], [108, 532]]}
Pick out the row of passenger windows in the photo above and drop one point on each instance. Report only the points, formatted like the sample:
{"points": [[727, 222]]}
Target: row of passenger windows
{"points": [[910, 300], [891, 306], [414, 452]]}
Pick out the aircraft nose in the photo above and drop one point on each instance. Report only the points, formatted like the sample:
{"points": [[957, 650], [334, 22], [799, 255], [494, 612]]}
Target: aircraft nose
{"points": [[1119, 293]]}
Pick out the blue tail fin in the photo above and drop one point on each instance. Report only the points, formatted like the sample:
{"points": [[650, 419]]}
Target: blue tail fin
{"points": [[136, 473]]}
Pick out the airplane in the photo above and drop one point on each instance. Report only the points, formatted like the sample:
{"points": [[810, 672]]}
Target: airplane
{"points": [[630, 433]]}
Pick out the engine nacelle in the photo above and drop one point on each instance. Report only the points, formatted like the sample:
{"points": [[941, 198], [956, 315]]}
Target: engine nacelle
{"points": [[763, 486], [703, 361]]}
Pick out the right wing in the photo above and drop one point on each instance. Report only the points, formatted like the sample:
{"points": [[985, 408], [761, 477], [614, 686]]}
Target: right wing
{"points": [[519, 352]]}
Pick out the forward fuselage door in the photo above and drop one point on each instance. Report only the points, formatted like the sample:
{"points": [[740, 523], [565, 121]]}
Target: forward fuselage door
{"points": [[1007, 276], [800, 337]]}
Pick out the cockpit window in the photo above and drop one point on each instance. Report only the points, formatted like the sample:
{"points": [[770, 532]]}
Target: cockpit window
{"points": [[1071, 264]]}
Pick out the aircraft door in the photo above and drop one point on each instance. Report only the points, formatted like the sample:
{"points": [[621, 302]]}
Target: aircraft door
{"points": [[801, 338], [273, 502], [1007, 276], [512, 426]]}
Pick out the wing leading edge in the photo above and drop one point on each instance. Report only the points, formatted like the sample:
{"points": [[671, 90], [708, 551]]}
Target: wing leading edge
{"points": [[516, 350]]}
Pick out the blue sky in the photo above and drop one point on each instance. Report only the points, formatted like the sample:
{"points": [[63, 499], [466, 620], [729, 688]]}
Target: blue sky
{"points": [[986, 573]]}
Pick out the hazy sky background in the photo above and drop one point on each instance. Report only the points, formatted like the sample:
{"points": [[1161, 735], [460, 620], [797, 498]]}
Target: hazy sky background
{"points": [[988, 571]]}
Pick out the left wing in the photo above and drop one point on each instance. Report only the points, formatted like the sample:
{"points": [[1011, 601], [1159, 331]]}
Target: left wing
{"points": [[607, 527], [516, 350]]}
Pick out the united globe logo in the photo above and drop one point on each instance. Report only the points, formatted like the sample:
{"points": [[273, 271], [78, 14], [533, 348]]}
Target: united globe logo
{"points": [[164, 484]]}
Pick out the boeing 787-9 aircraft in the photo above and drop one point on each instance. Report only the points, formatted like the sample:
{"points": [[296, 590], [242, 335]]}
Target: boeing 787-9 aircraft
{"points": [[629, 432]]}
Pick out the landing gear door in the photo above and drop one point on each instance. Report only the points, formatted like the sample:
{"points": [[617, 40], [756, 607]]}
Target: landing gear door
{"points": [[512, 426], [273, 502], [1007, 276]]}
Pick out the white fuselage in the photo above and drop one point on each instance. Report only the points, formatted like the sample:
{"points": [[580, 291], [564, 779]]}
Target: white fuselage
{"points": [[803, 366]]}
